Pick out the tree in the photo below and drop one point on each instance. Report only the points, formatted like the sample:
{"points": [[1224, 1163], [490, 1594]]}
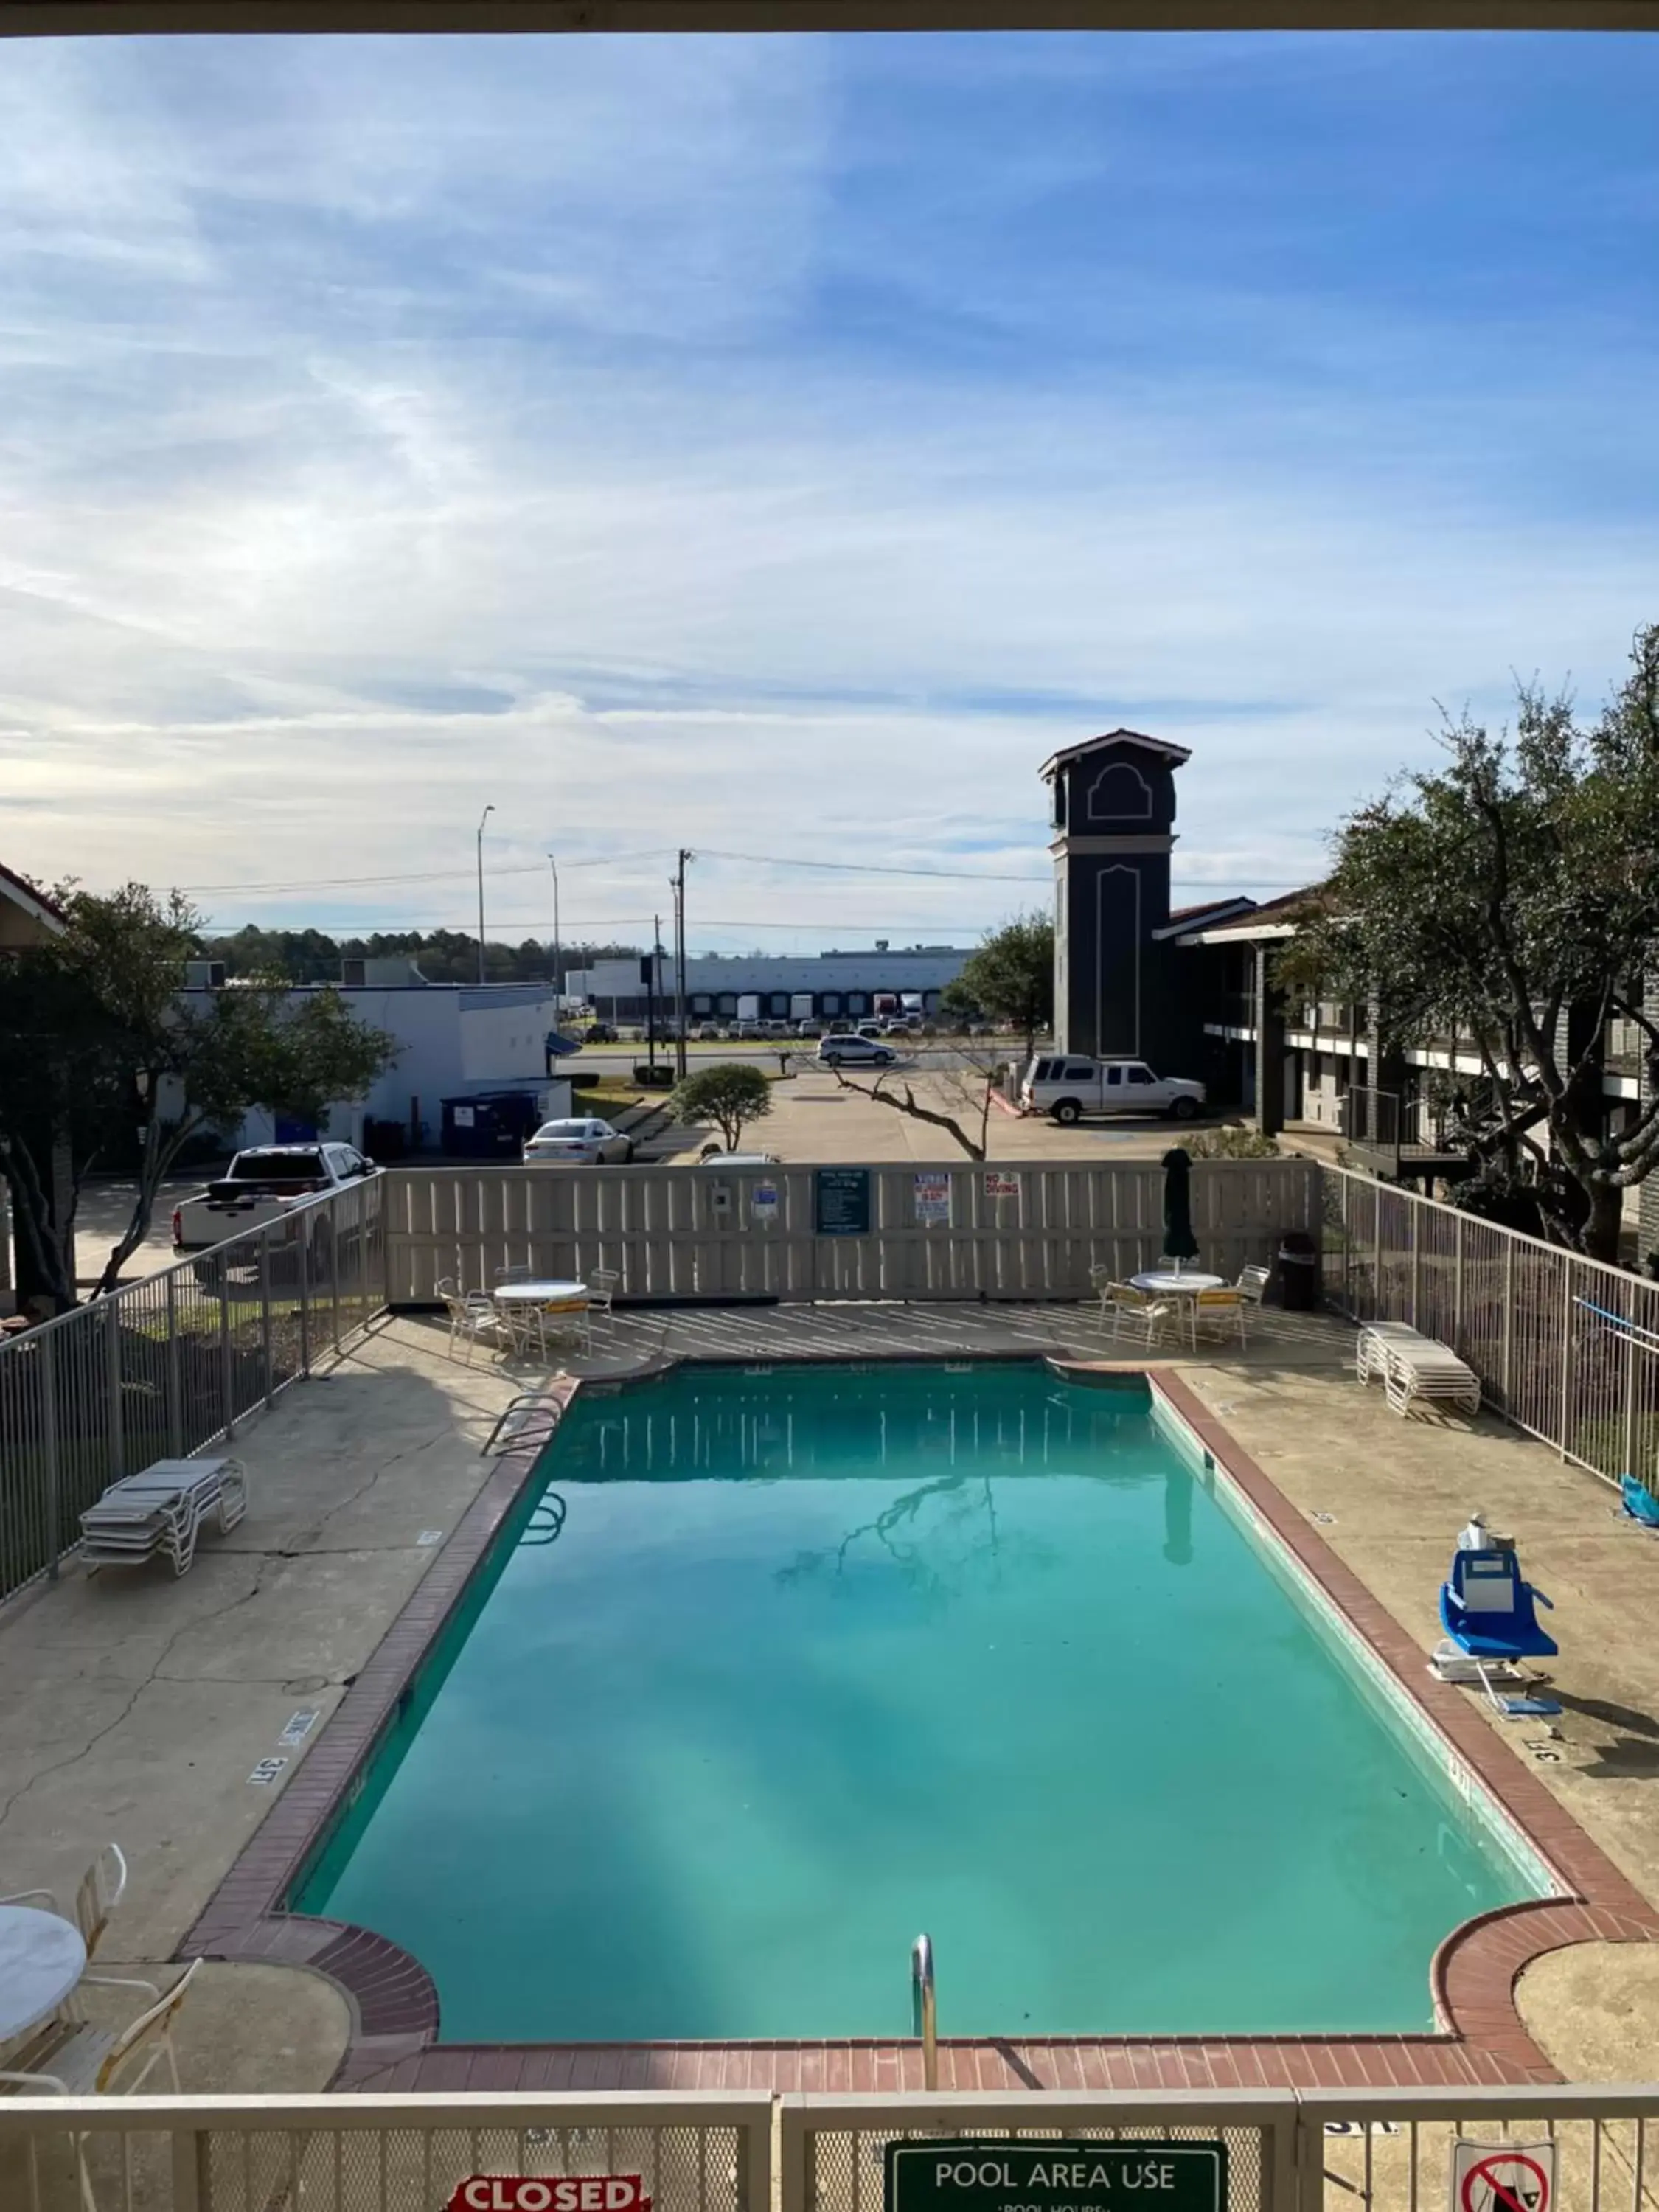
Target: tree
{"points": [[1011, 977], [729, 1094], [96, 1039], [1510, 899], [962, 1086]]}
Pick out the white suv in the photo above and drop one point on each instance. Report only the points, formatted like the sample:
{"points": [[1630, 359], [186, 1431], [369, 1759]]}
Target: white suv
{"points": [[1069, 1087], [855, 1052]]}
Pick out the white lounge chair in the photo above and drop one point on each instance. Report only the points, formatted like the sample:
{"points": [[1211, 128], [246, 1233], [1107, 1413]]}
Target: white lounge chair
{"points": [[1371, 1351], [1253, 1281], [163, 1509], [1429, 1374]]}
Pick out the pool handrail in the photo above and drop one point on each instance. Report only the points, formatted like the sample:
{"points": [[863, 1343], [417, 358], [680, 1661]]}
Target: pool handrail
{"points": [[924, 2009]]}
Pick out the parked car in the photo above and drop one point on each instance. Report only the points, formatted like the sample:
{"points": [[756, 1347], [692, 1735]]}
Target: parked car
{"points": [[577, 1144], [745, 1029], [869, 1029], [261, 1184], [809, 1029], [708, 1032], [715, 1156], [1068, 1087], [855, 1051], [601, 1033]]}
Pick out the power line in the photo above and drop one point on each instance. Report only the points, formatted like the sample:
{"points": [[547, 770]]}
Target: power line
{"points": [[869, 868], [429, 876], [751, 859]]}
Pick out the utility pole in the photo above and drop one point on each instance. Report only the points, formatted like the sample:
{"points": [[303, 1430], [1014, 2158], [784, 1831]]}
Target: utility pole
{"points": [[652, 978], [558, 1002], [483, 819], [679, 963]]}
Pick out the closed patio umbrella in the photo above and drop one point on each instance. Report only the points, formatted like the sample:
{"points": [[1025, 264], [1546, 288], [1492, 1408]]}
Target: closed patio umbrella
{"points": [[1179, 1242]]}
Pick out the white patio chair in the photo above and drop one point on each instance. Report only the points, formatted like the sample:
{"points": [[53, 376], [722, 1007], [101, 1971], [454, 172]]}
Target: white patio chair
{"points": [[601, 1289], [80, 2061], [1216, 1313], [1253, 1281], [98, 1893], [1140, 1309], [476, 1315]]}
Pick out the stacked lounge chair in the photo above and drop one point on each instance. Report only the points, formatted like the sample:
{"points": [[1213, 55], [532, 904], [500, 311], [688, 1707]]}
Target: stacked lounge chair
{"points": [[161, 1510], [1414, 1367]]}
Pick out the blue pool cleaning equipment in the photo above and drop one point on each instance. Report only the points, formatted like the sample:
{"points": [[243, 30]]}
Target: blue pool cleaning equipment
{"points": [[1488, 1613], [1640, 1503]]}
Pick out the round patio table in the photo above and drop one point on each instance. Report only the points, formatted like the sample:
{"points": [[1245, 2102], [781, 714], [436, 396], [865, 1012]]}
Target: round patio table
{"points": [[1166, 1282], [539, 1294], [42, 1957]]}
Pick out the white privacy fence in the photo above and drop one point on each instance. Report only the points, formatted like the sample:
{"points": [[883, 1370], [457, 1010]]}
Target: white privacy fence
{"points": [[171, 1362], [954, 1230], [1426, 2150]]}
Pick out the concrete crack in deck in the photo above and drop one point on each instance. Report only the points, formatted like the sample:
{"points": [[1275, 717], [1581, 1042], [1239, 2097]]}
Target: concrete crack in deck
{"points": [[185, 1628]]}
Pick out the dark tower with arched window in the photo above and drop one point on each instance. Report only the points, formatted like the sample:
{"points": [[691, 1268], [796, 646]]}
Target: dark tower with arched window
{"points": [[1114, 821]]}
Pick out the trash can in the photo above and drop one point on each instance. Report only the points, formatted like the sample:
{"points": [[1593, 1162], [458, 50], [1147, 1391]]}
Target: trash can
{"points": [[1299, 1271]]}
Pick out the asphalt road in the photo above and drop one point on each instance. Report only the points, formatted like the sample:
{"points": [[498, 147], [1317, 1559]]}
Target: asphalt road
{"points": [[619, 1059]]}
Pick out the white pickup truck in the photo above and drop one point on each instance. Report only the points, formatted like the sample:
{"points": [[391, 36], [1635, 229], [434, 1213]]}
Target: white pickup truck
{"points": [[1068, 1087], [261, 1185]]}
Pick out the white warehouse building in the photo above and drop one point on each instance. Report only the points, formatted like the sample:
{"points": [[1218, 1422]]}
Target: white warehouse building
{"points": [[455, 1040], [827, 986]]}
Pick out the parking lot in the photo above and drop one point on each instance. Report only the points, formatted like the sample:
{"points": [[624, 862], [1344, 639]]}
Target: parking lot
{"points": [[815, 1118]]}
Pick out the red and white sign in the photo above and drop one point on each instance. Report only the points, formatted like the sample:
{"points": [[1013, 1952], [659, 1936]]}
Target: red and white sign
{"points": [[529, 2193], [1502, 2177]]}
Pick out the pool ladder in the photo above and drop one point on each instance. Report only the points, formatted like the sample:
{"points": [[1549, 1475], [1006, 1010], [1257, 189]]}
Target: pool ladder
{"points": [[924, 2009]]}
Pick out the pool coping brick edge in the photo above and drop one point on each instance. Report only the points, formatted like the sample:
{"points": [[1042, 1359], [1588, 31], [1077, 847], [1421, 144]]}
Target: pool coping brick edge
{"points": [[393, 2003]]}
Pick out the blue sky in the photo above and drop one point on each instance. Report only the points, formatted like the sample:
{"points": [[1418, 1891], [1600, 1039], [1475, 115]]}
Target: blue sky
{"points": [[779, 446]]}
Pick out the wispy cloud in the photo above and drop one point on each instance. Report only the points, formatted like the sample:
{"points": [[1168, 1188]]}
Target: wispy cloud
{"points": [[781, 446]]}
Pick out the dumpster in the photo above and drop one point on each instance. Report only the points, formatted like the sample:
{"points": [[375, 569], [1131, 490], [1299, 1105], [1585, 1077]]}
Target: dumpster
{"points": [[1296, 1272], [491, 1125]]}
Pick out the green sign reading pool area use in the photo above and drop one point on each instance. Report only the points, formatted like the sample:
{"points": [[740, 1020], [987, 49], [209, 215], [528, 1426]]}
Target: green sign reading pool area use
{"points": [[1056, 2177]]}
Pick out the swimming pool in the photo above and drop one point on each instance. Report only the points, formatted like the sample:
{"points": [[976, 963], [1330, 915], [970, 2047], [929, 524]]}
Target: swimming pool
{"points": [[772, 1669]]}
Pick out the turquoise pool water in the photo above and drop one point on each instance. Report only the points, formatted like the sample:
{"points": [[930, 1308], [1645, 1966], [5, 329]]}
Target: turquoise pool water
{"points": [[775, 1669]]}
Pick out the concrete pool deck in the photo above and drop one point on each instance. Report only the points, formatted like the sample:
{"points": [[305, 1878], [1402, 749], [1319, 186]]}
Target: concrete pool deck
{"points": [[139, 1706]]}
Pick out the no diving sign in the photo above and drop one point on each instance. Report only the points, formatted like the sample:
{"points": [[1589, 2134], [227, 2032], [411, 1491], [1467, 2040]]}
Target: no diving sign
{"points": [[1502, 2177]]}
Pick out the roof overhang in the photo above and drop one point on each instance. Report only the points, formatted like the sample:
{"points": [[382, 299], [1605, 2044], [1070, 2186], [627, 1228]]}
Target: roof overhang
{"points": [[42, 913], [1135, 738], [1223, 910], [1239, 933], [67, 18]]}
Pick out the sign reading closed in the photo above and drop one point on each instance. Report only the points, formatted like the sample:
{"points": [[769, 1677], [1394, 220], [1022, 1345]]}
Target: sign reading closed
{"points": [[525, 2192], [1056, 2177]]}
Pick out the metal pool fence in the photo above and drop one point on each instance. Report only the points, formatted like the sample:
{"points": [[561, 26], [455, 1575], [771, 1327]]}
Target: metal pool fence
{"points": [[1026, 1230], [1287, 2150], [1565, 1347], [163, 1366]]}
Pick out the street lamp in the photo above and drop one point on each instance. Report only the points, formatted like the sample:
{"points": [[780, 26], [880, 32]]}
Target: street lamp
{"points": [[483, 819]]}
